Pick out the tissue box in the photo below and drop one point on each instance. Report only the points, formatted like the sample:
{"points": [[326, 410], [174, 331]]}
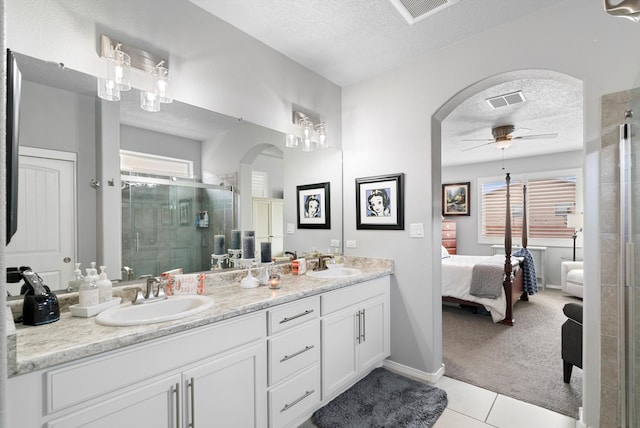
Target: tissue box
{"points": [[185, 284]]}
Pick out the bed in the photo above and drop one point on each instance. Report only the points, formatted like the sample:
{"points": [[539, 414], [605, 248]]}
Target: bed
{"points": [[460, 284]]}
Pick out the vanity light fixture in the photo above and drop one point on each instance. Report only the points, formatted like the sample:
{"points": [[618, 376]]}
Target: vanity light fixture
{"points": [[310, 134], [120, 59]]}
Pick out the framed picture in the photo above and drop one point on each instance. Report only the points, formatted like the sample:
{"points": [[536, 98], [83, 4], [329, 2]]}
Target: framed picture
{"points": [[165, 215], [314, 211], [184, 211], [380, 202], [456, 199]]}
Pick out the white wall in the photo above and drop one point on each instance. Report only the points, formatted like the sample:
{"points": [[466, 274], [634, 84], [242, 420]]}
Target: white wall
{"points": [[573, 37], [213, 65], [467, 227]]}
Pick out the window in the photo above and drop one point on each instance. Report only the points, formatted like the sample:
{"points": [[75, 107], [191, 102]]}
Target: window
{"points": [[146, 163], [259, 184], [550, 197]]}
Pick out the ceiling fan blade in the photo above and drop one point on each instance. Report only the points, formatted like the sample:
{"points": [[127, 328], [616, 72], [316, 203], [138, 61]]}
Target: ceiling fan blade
{"points": [[475, 147], [480, 139], [537, 136]]}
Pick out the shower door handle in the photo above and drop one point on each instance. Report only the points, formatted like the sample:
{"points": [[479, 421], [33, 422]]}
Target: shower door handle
{"points": [[137, 241]]}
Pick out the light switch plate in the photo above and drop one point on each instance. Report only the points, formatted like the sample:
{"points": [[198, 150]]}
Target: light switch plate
{"points": [[335, 242], [291, 228], [351, 243], [416, 230]]}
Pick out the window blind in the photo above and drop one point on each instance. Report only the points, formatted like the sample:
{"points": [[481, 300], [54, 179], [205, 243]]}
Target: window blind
{"points": [[549, 200]]}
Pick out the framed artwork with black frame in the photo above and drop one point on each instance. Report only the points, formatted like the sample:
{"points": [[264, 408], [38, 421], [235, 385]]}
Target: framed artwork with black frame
{"points": [[456, 199], [314, 207], [380, 202]]}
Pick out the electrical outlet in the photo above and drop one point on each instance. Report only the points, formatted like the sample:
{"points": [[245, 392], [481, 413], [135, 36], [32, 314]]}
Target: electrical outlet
{"points": [[351, 243], [335, 242], [290, 228]]}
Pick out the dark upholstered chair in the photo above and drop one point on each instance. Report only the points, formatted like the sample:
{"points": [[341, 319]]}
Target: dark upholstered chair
{"points": [[571, 339]]}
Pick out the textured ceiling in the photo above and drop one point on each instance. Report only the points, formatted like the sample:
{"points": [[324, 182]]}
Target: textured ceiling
{"points": [[347, 41]]}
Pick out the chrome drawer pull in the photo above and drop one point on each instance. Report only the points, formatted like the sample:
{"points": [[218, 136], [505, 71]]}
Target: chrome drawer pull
{"points": [[293, 403], [286, 319], [288, 357]]}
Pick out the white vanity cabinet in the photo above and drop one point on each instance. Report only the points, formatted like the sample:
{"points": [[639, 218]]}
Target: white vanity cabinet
{"points": [[215, 375], [355, 333], [293, 361]]}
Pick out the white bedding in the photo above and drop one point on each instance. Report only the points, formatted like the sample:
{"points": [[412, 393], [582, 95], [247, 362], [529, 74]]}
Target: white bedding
{"points": [[456, 282]]}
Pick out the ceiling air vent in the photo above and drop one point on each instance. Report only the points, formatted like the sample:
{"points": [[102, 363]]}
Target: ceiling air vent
{"points": [[416, 10], [506, 99]]}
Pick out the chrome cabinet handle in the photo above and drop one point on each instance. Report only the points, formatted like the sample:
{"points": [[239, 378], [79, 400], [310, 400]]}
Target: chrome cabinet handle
{"points": [[176, 390], [287, 319], [294, 402], [192, 385], [295, 354], [364, 323], [358, 328]]}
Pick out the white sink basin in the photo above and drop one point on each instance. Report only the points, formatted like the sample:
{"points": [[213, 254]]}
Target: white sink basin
{"points": [[172, 308], [343, 272]]}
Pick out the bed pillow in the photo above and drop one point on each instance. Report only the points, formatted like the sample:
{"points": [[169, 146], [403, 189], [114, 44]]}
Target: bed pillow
{"points": [[443, 252]]}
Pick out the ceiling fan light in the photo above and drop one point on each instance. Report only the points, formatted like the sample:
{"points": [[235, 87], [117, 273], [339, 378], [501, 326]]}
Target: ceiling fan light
{"points": [[503, 144]]}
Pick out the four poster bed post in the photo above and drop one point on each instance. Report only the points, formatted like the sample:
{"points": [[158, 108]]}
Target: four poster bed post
{"points": [[513, 291]]}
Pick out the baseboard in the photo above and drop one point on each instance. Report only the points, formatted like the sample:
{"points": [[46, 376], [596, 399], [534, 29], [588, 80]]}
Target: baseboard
{"points": [[414, 373]]}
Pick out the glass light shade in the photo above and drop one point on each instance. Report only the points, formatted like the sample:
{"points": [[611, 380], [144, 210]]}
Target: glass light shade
{"points": [[503, 144], [118, 65], [161, 74], [107, 90], [322, 135], [291, 141], [307, 145], [149, 101], [307, 128]]}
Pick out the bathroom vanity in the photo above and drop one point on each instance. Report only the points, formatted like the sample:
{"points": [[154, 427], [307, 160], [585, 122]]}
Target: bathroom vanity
{"points": [[258, 358]]}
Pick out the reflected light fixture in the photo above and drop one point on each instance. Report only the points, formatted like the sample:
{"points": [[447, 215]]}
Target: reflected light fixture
{"points": [[310, 134], [120, 59]]}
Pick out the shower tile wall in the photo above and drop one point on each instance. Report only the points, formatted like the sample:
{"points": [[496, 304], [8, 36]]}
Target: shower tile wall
{"points": [[613, 114]]}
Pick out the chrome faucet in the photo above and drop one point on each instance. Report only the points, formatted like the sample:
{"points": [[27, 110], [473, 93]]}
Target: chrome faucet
{"points": [[151, 293]]}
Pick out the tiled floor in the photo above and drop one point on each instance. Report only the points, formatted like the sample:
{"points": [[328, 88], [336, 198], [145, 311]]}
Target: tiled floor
{"points": [[474, 407]]}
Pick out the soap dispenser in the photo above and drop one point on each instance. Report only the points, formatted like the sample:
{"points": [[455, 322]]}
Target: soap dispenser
{"points": [[105, 287], [74, 284], [89, 294]]}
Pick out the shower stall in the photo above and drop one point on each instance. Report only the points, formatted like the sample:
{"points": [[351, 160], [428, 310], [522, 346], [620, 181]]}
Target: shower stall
{"points": [[164, 225]]}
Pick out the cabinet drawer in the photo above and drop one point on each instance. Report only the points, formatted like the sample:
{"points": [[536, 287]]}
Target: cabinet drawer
{"points": [[448, 225], [94, 377], [293, 350], [448, 234], [349, 296], [293, 314], [294, 398]]}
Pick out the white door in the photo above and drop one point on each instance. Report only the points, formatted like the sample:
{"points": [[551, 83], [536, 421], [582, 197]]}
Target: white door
{"points": [[46, 235], [339, 358]]}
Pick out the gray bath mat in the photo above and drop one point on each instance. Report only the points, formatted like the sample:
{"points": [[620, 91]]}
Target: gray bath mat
{"points": [[384, 399]]}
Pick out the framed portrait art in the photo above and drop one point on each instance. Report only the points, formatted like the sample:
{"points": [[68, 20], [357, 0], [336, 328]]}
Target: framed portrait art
{"points": [[455, 199], [380, 202], [184, 211], [314, 211]]}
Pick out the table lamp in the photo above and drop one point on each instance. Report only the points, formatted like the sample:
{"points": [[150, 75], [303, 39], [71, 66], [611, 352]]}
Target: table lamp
{"points": [[574, 221]]}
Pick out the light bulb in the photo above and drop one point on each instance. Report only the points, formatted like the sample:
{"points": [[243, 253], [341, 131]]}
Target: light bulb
{"points": [[161, 74], [107, 90], [118, 65]]}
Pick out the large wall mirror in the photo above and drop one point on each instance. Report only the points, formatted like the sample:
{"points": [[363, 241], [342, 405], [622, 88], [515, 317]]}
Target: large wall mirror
{"points": [[94, 182]]}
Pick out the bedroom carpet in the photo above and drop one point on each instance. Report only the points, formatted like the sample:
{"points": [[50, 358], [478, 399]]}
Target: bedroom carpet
{"points": [[523, 362], [384, 399]]}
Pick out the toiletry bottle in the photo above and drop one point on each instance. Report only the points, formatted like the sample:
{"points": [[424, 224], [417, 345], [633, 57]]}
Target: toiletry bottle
{"points": [[89, 294], [74, 284], [205, 222], [105, 287]]}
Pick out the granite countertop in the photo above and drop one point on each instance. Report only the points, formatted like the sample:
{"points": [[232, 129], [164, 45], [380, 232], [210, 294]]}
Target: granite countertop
{"points": [[31, 348]]}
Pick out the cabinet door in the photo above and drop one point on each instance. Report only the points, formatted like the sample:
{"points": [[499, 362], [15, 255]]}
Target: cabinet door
{"points": [[152, 406], [228, 391], [374, 334], [339, 362]]}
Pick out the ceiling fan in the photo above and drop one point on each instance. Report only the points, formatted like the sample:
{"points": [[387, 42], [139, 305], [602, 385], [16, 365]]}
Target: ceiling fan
{"points": [[503, 137]]}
